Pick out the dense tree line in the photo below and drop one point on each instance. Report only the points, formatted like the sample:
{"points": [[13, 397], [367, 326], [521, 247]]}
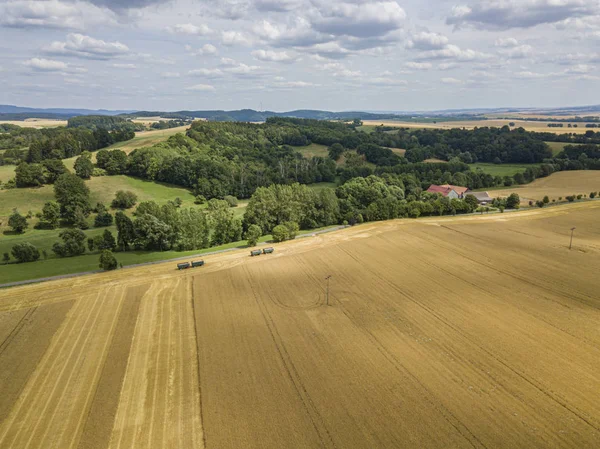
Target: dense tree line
{"points": [[37, 145], [109, 123], [168, 124], [219, 159]]}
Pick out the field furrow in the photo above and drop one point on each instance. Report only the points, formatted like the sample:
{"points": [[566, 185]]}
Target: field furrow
{"points": [[455, 332]]}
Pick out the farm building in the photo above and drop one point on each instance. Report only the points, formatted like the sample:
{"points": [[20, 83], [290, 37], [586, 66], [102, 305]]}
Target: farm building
{"points": [[449, 191], [482, 197]]}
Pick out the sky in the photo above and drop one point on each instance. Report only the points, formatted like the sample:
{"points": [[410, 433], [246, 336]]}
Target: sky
{"points": [[281, 55]]}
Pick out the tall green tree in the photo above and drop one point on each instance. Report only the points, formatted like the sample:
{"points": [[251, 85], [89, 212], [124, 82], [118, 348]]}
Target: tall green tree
{"points": [[108, 261], [253, 234], [125, 231], [50, 216], [84, 166], [72, 195]]}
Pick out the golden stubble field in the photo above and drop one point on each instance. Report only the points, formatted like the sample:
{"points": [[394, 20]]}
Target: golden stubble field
{"points": [[35, 123], [557, 185], [453, 332], [497, 123]]}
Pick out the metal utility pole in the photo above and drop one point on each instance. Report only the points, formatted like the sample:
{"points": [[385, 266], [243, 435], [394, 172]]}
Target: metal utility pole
{"points": [[327, 279], [571, 243]]}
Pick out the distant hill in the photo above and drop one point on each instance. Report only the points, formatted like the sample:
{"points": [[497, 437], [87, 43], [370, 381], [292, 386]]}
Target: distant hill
{"points": [[9, 112]]}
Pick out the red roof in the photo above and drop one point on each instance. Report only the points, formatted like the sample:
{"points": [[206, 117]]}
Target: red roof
{"points": [[439, 189], [458, 189], [447, 188]]}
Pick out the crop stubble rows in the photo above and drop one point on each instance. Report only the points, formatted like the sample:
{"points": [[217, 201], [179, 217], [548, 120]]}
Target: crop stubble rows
{"points": [[442, 333]]}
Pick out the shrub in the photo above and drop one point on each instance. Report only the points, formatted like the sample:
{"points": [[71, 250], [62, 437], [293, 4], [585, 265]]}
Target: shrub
{"points": [[579, 197], [124, 199], [280, 233], [513, 201], [25, 252], [103, 219], [97, 172], [253, 233], [73, 243], [6, 258], [231, 200], [50, 216], [546, 200], [531, 203], [200, 199], [292, 228], [540, 203], [570, 198], [593, 195], [18, 222], [108, 261], [560, 198]]}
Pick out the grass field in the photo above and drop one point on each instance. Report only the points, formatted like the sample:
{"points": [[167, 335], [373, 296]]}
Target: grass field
{"points": [[141, 139], [527, 125], [557, 147], [102, 189], [313, 150], [501, 169], [7, 172], [443, 332], [557, 185]]}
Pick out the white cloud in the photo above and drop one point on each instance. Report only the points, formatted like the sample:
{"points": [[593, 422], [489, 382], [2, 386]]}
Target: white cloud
{"points": [[79, 45], [170, 75], [46, 65], [295, 84], [52, 14], [447, 66], [190, 29], [519, 52], [451, 81], [201, 88], [125, 66], [53, 66], [530, 75], [205, 50], [427, 41], [418, 65], [329, 50], [508, 42], [208, 73], [272, 56], [580, 69], [358, 19], [386, 81], [231, 38], [506, 14], [453, 52]]}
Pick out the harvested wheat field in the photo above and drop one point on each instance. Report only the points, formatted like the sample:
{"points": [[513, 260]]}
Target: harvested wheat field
{"points": [[35, 123], [557, 185], [470, 124], [440, 333]]}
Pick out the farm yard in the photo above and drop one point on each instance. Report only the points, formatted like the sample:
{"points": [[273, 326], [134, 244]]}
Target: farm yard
{"points": [[441, 332]]}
